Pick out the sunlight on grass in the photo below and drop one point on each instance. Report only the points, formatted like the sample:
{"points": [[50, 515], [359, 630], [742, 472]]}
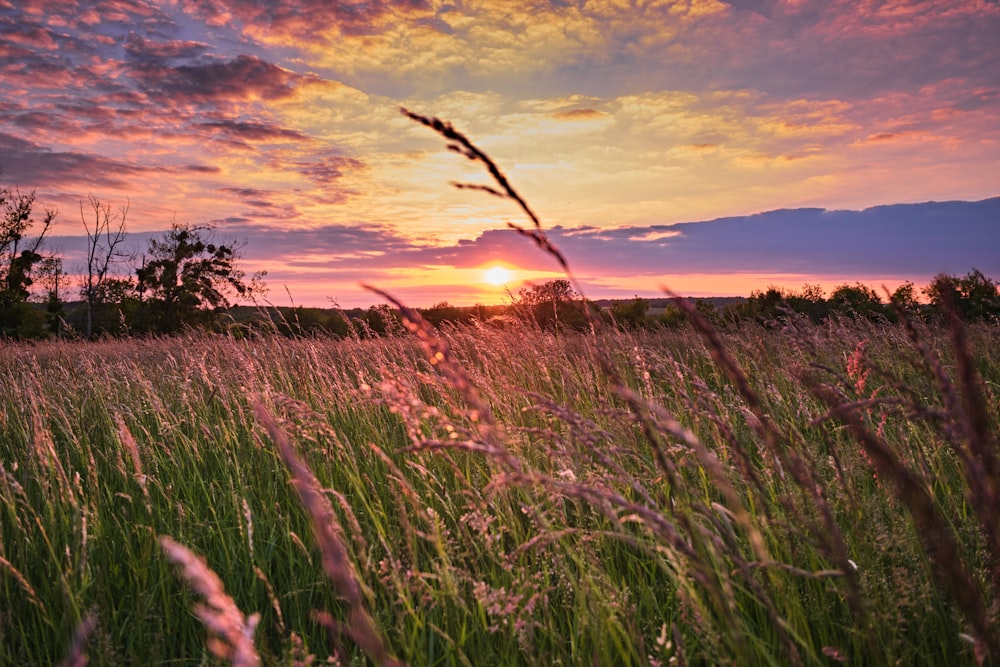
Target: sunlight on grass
{"points": [[585, 527]]}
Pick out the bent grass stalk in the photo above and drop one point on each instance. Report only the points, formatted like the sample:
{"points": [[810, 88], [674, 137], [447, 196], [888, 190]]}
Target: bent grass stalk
{"points": [[230, 632], [336, 561]]}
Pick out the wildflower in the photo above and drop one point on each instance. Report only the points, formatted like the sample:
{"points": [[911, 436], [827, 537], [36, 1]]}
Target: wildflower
{"points": [[856, 369]]}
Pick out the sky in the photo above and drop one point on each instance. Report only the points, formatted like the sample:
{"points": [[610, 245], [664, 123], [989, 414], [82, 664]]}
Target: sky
{"points": [[708, 147]]}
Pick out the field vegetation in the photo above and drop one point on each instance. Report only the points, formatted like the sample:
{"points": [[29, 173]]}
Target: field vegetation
{"points": [[791, 490], [515, 497]]}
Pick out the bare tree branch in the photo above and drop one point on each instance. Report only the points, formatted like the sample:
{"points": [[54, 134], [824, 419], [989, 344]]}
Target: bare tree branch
{"points": [[104, 242]]}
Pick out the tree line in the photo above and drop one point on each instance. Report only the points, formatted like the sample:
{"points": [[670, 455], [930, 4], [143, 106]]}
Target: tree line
{"points": [[974, 297], [555, 305], [183, 279], [186, 279]]}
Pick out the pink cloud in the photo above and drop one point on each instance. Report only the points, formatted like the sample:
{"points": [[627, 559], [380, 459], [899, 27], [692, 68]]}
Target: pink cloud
{"points": [[140, 47], [239, 80], [307, 20], [254, 131]]}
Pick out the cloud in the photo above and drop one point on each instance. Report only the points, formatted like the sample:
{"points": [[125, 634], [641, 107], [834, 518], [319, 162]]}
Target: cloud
{"points": [[330, 246], [254, 131], [307, 19], [904, 239], [140, 48], [34, 165], [325, 171], [201, 168], [242, 79], [577, 114], [846, 49], [765, 8], [917, 240], [245, 192]]}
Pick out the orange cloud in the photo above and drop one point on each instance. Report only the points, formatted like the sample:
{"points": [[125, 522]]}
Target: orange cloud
{"points": [[578, 114]]}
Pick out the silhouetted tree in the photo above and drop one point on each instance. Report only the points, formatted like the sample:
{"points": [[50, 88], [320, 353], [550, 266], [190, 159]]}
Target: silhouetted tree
{"points": [[858, 300], [809, 301], [378, 320], [553, 304], [118, 308], [672, 317], [973, 297], [304, 321], [762, 306], [905, 297], [187, 279], [51, 278], [774, 304], [19, 255]]}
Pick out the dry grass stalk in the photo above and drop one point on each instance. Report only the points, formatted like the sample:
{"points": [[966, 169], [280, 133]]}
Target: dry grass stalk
{"points": [[360, 627], [45, 449], [439, 354], [77, 656], [982, 472], [275, 604], [133, 450], [463, 146], [804, 474], [936, 538], [708, 460], [970, 437], [20, 578], [230, 633]]}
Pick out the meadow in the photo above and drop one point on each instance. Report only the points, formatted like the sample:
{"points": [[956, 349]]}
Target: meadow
{"points": [[778, 493], [803, 494]]}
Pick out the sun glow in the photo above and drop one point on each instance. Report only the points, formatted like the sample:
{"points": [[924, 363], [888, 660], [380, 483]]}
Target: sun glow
{"points": [[497, 275]]}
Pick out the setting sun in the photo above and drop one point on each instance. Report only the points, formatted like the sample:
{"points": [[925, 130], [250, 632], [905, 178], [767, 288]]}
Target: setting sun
{"points": [[497, 275]]}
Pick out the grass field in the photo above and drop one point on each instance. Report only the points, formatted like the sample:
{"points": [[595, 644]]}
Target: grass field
{"points": [[813, 495]]}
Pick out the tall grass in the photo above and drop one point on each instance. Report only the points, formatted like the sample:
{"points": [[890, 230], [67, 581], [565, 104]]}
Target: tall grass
{"points": [[812, 495], [632, 521]]}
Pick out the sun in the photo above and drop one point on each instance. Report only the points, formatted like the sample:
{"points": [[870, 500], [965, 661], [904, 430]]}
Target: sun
{"points": [[497, 275]]}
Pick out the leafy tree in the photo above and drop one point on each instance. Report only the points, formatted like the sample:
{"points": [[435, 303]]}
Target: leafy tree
{"points": [[905, 297], [553, 304], [187, 279], [672, 317], [631, 314], [379, 320], [763, 306], [973, 297], [118, 308], [859, 300], [708, 310], [809, 301], [51, 278], [19, 254]]}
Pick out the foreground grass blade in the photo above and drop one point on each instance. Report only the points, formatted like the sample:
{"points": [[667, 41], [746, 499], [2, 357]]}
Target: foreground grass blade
{"points": [[336, 562]]}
